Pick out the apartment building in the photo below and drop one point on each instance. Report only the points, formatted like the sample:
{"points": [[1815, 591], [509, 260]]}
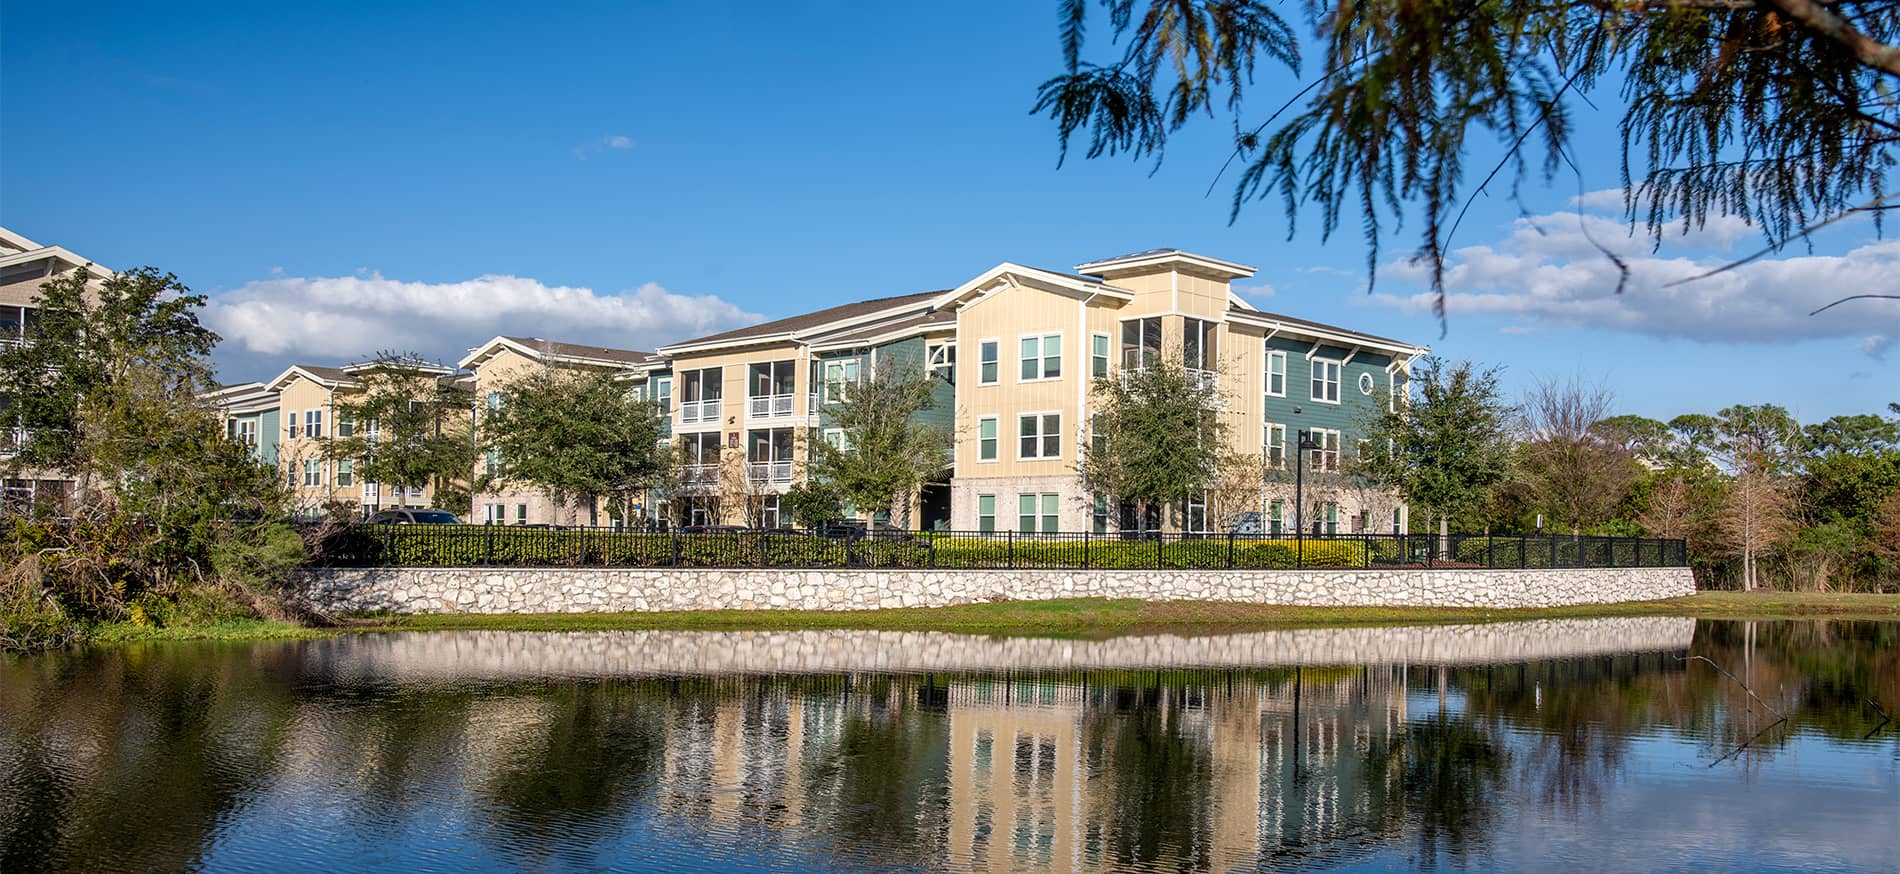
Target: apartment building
{"points": [[1013, 354], [311, 422], [24, 266]]}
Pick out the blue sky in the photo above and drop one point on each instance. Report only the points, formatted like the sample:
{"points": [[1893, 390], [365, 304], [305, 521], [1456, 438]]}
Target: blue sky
{"points": [[351, 178]]}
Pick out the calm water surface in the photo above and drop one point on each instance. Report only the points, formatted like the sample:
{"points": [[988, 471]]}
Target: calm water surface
{"points": [[1583, 744]]}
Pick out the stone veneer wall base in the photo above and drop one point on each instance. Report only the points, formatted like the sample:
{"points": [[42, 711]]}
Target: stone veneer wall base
{"points": [[601, 590]]}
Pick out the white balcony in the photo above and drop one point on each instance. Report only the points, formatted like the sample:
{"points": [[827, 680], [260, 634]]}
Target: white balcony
{"points": [[774, 472], [1207, 380], [11, 439], [699, 477], [708, 410], [768, 406]]}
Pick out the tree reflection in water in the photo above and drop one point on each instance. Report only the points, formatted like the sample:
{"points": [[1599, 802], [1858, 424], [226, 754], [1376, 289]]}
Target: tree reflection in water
{"points": [[237, 757]]}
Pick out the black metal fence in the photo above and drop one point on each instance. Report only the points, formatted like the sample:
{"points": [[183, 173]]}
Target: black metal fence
{"points": [[499, 546]]}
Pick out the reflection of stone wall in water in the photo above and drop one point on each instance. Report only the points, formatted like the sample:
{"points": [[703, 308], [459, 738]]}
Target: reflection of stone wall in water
{"points": [[594, 590], [505, 654]]}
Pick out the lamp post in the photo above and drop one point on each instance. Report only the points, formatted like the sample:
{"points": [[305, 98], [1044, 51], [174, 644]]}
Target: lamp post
{"points": [[1306, 445]]}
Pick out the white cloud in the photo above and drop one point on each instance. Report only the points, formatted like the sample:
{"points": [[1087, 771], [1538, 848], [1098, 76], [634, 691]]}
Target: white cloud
{"points": [[1876, 346], [1261, 290], [1549, 270], [590, 148], [344, 318]]}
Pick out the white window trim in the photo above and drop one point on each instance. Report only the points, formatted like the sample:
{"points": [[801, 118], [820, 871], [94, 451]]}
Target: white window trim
{"points": [[1040, 337], [1318, 435], [1267, 442], [1317, 363], [1266, 375], [1109, 355], [978, 361], [1017, 435], [999, 439]]}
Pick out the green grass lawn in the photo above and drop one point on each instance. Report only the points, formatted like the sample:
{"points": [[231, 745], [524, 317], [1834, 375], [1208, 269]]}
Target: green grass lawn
{"points": [[1097, 617], [1078, 617]]}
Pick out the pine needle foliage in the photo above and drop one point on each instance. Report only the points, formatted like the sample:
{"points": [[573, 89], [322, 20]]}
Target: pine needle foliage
{"points": [[1781, 112]]}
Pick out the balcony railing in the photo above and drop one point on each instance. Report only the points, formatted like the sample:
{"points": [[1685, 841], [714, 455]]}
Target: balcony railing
{"points": [[11, 439], [769, 406], [708, 410], [769, 471], [1208, 380], [700, 474]]}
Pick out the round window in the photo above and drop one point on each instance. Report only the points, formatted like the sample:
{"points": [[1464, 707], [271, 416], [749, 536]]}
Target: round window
{"points": [[1365, 383]]}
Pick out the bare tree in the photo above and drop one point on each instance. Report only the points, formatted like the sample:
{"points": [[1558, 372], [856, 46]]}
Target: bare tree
{"points": [[1671, 511], [1755, 517], [1887, 529], [1577, 472]]}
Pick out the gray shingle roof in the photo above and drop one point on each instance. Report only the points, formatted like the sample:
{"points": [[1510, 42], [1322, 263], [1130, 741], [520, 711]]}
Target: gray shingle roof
{"points": [[577, 350], [1312, 324], [817, 319]]}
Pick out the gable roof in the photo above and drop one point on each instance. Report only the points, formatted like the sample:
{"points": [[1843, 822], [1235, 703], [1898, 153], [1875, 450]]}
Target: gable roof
{"points": [[1158, 257], [328, 377], [794, 327], [556, 351], [920, 322], [1014, 274]]}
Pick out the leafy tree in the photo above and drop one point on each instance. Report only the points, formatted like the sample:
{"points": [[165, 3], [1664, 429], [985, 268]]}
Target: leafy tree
{"points": [[1575, 468], [578, 435], [408, 428], [141, 324], [174, 520], [1886, 540], [886, 453], [1157, 436], [1444, 451], [1778, 111], [813, 503]]}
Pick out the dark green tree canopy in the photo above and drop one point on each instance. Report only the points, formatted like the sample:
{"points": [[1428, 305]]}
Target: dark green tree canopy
{"points": [[1778, 111], [1157, 436], [887, 452], [140, 322], [577, 435], [1444, 451]]}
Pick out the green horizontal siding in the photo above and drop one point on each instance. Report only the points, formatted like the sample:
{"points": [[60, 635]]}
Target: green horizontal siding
{"points": [[1349, 415]]}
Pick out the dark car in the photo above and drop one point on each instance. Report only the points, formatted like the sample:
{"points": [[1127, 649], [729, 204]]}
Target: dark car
{"points": [[414, 517], [713, 529]]}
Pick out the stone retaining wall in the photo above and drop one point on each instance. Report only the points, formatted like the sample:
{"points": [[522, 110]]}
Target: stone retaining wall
{"points": [[461, 656], [596, 590]]}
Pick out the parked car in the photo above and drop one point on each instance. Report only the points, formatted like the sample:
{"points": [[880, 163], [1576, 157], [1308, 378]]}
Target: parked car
{"points": [[1247, 524], [414, 517], [713, 529]]}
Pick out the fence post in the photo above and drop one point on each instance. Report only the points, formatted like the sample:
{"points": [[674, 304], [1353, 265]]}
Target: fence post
{"points": [[1523, 552], [1230, 550], [1087, 535], [930, 550], [1490, 550], [580, 547], [849, 538], [761, 549], [488, 544], [1010, 548], [1552, 542], [676, 547]]}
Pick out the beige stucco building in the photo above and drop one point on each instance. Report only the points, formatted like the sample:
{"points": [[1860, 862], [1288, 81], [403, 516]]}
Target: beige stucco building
{"points": [[25, 266]]}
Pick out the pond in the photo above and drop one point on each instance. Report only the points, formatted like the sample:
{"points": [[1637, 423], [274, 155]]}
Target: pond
{"points": [[1612, 744]]}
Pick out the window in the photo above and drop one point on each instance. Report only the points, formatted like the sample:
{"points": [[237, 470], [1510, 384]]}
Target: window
{"points": [[701, 395], [942, 358], [1098, 441], [1325, 380], [494, 403], [312, 472], [1197, 344], [1098, 355], [245, 431], [1098, 514], [1034, 510], [1141, 342], [839, 377], [986, 513], [1326, 457], [290, 475], [664, 394], [769, 512], [1197, 513], [1276, 517], [987, 353], [495, 514], [1276, 373], [838, 439], [1041, 357], [1275, 450], [345, 473], [986, 438], [290, 419], [345, 426], [313, 423], [1039, 436], [1328, 521], [491, 462], [1365, 384], [769, 388], [1396, 529], [1364, 522], [521, 514]]}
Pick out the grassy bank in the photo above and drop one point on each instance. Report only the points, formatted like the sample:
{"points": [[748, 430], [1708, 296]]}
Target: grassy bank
{"points": [[1095, 617], [1081, 617]]}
